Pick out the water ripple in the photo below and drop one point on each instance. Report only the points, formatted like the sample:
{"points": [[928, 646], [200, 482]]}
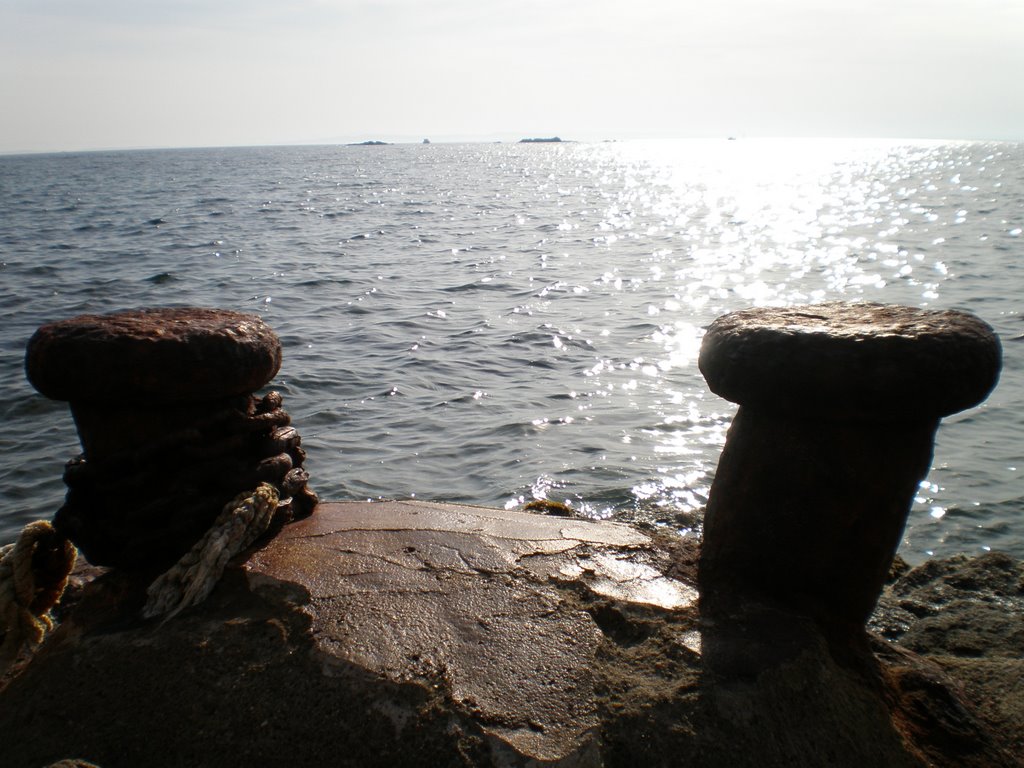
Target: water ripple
{"points": [[490, 324]]}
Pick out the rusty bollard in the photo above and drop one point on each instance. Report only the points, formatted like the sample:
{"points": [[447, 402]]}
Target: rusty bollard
{"points": [[839, 404], [170, 430]]}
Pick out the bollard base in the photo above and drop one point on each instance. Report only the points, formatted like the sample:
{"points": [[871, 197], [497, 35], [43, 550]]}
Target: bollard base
{"points": [[808, 513]]}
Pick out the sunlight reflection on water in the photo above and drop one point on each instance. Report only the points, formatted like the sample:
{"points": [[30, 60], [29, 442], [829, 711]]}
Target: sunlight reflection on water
{"points": [[734, 224], [495, 323]]}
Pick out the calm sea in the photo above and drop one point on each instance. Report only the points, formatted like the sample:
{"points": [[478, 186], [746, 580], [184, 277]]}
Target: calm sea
{"points": [[494, 323]]}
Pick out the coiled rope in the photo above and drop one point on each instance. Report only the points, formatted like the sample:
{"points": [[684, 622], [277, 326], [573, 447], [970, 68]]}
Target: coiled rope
{"points": [[34, 571], [33, 574], [193, 577]]}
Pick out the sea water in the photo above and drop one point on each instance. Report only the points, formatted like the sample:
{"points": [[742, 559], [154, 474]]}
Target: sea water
{"points": [[495, 323]]}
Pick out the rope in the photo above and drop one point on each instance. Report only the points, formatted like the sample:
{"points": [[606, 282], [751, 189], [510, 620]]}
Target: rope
{"points": [[33, 574], [193, 577], [34, 571]]}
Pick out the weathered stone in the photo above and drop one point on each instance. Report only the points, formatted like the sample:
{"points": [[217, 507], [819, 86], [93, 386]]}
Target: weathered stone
{"points": [[959, 606], [966, 615], [410, 633], [838, 359], [153, 355], [839, 404]]}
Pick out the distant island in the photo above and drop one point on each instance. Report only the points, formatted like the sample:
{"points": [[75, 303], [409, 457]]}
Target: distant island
{"points": [[369, 144], [552, 140]]}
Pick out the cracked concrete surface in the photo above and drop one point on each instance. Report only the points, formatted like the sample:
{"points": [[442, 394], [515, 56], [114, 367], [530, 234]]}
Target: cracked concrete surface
{"points": [[472, 597]]}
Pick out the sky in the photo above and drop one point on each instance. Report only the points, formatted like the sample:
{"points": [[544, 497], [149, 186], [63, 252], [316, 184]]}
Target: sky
{"points": [[104, 74]]}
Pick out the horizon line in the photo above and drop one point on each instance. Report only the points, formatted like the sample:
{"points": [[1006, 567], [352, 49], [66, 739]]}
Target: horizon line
{"points": [[409, 140]]}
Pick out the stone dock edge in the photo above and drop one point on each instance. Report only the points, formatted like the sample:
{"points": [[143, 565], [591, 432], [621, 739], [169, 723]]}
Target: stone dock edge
{"points": [[415, 633]]}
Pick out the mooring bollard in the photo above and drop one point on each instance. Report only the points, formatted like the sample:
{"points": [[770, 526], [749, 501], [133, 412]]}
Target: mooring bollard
{"points": [[170, 430], [839, 404]]}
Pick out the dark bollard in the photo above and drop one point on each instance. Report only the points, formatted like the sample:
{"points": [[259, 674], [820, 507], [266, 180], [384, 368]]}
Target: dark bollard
{"points": [[839, 404], [170, 430]]}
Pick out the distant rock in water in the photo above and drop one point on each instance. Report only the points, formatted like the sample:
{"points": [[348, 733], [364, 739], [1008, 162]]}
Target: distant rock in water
{"points": [[371, 143], [552, 140], [426, 141]]}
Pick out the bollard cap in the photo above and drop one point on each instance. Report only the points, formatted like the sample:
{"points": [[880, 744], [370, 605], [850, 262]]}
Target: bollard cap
{"points": [[852, 360], [153, 355]]}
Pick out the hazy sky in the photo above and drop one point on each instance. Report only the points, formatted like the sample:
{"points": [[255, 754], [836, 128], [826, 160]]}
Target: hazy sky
{"points": [[79, 74]]}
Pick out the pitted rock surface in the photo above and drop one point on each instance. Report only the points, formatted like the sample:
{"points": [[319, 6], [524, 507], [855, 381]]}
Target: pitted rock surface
{"points": [[852, 359], [167, 355]]}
